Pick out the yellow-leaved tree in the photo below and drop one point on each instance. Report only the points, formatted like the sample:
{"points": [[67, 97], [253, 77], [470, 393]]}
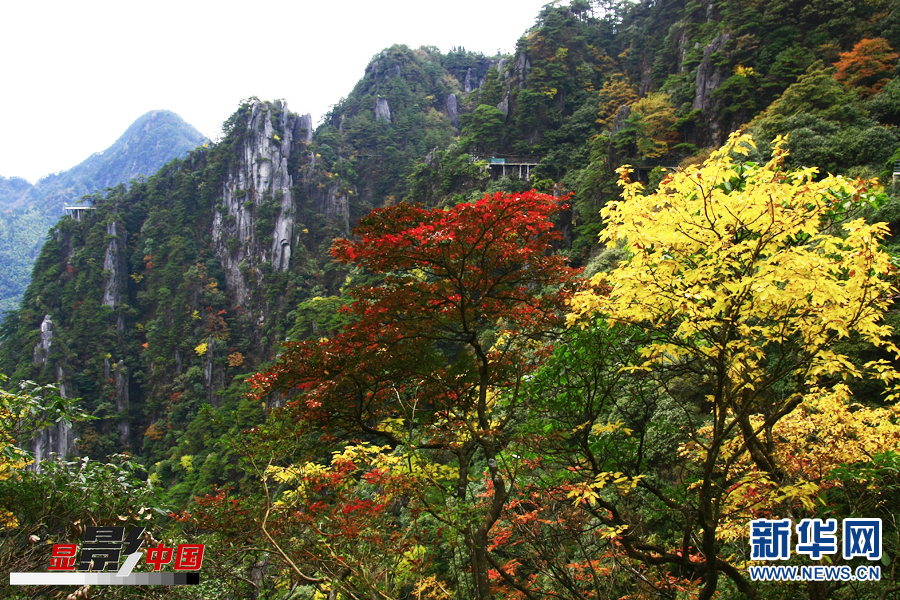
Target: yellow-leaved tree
{"points": [[653, 118], [745, 275]]}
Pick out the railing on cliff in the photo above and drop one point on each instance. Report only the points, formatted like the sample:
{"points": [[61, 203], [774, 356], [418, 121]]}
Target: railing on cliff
{"points": [[509, 159], [498, 164], [76, 211]]}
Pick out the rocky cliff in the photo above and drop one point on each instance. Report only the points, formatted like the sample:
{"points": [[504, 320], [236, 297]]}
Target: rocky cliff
{"points": [[58, 439], [149, 304], [259, 183]]}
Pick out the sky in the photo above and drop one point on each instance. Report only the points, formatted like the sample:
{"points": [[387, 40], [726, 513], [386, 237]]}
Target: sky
{"points": [[77, 74]]}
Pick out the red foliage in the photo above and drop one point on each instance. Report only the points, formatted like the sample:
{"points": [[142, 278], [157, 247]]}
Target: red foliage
{"points": [[449, 276], [438, 346], [218, 511]]}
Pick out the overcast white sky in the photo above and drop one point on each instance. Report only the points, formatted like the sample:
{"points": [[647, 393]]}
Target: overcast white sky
{"points": [[77, 74]]}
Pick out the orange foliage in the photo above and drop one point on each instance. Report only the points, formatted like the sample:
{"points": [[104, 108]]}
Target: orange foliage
{"points": [[153, 432], [868, 67]]}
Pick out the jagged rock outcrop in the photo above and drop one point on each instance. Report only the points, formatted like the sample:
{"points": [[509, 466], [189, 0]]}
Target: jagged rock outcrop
{"points": [[709, 76], [394, 71], [522, 67], [114, 265], [473, 81], [683, 45], [42, 348], [453, 110], [337, 206], [58, 438], [619, 120], [303, 129], [503, 106], [469, 85], [257, 190], [382, 110]]}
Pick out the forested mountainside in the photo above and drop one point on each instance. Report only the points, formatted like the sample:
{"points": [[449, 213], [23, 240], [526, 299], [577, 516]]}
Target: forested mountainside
{"points": [[399, 449], [28, 211]]}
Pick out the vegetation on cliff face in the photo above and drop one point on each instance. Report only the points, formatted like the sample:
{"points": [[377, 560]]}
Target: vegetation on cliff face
{"points": [[424, 436]]}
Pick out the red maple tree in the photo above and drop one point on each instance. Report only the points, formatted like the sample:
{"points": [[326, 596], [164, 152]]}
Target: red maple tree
{"points": [[434, 358]]}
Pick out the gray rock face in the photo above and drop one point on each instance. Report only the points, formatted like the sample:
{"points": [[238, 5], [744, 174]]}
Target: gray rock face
{"points": [[42, 348], [709, 76], [619, 120], [382, 110], [58, 438], [452, 110], [260, 178], [503, 106], [337, 206], [683, 48], [303, 130], [114, 265], [110, 293], [500, 66], [522, 67], [468, 85], [331, 201]]}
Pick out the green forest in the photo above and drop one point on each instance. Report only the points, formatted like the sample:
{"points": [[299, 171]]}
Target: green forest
{"points": [[609, 317]]}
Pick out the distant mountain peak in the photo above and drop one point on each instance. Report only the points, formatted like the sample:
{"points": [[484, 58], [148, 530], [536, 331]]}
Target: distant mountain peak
{"points": [[152, 140]]}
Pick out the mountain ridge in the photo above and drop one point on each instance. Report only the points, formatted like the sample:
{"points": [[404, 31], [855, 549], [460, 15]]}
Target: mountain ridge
{"points": [[157, 136]]}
